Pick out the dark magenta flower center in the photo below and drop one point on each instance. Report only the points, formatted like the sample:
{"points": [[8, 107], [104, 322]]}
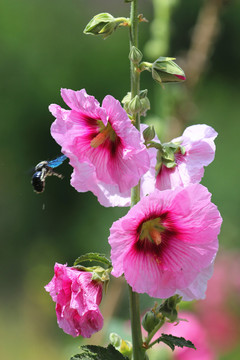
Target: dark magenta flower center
{"points": [[151, 230]]}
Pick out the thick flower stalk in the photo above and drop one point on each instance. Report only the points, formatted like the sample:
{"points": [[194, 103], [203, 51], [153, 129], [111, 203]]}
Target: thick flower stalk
{"points": [[77, 299], [167, 243], [104, 148]]}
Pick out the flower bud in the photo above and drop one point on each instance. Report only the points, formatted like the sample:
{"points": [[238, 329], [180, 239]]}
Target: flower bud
{"points": [[135, 105], [149, 133], [164, 70], [145, 105], [103, 24], [169, 308], [149, 321], [125, 102], [135, 55], [139, 104]]}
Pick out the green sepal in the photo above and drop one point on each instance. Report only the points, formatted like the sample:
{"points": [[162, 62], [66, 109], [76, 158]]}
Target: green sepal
{"points": [[168, 152], [143, 94], [173, 341], [93, 257], [93, 352], [98, 273]]}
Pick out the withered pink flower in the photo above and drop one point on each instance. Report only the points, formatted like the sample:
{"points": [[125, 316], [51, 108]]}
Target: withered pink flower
{"points": [[77, 299], [167, 242], [104, 148]]}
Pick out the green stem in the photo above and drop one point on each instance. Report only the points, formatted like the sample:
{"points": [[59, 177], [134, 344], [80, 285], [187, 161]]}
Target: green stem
{"points": [[138, 351]]}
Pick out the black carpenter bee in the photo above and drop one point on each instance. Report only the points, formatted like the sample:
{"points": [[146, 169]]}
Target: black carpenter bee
{"points": [[44, 169]]}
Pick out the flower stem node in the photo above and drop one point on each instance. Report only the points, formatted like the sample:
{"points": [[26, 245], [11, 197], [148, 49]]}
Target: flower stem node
{"points": [[165, 70], [135, 55], [104, 24], [123, 346], [150, 321]]}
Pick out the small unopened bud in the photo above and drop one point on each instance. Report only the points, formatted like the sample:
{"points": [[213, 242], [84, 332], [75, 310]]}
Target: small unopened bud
{"points": [[149, 133], [135, 55], [164, 70], [126, 98], [145, 105], [103, 24], [134, 105], [149, 321]]}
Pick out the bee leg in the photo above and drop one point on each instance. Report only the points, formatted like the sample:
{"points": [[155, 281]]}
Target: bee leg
{"points": [[52, 173]]}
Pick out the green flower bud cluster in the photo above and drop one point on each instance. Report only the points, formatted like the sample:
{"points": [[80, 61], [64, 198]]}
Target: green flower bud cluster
{"points": [[104, 24], [139, 104], [157, 316]]}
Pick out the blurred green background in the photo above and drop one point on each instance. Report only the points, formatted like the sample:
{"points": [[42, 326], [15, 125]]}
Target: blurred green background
{"points": [[43, 49]]}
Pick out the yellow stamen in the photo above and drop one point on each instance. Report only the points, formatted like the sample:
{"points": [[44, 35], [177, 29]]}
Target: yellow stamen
{"points": [[152, 230], [156, 236], [99, 139], [106, 132]]}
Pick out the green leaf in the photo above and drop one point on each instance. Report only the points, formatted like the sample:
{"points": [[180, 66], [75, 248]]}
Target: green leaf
{"points": [[173, 341], [93, 257], [93, 352]]}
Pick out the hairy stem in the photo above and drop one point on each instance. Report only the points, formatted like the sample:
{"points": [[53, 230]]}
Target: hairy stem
{"points": [[138, 351]]}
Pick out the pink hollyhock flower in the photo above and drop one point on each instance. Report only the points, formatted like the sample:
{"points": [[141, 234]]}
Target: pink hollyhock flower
{"points": [[167, 243], [77, 298], [192, 330], [198, 142], [218, 312], [104, 148]]}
